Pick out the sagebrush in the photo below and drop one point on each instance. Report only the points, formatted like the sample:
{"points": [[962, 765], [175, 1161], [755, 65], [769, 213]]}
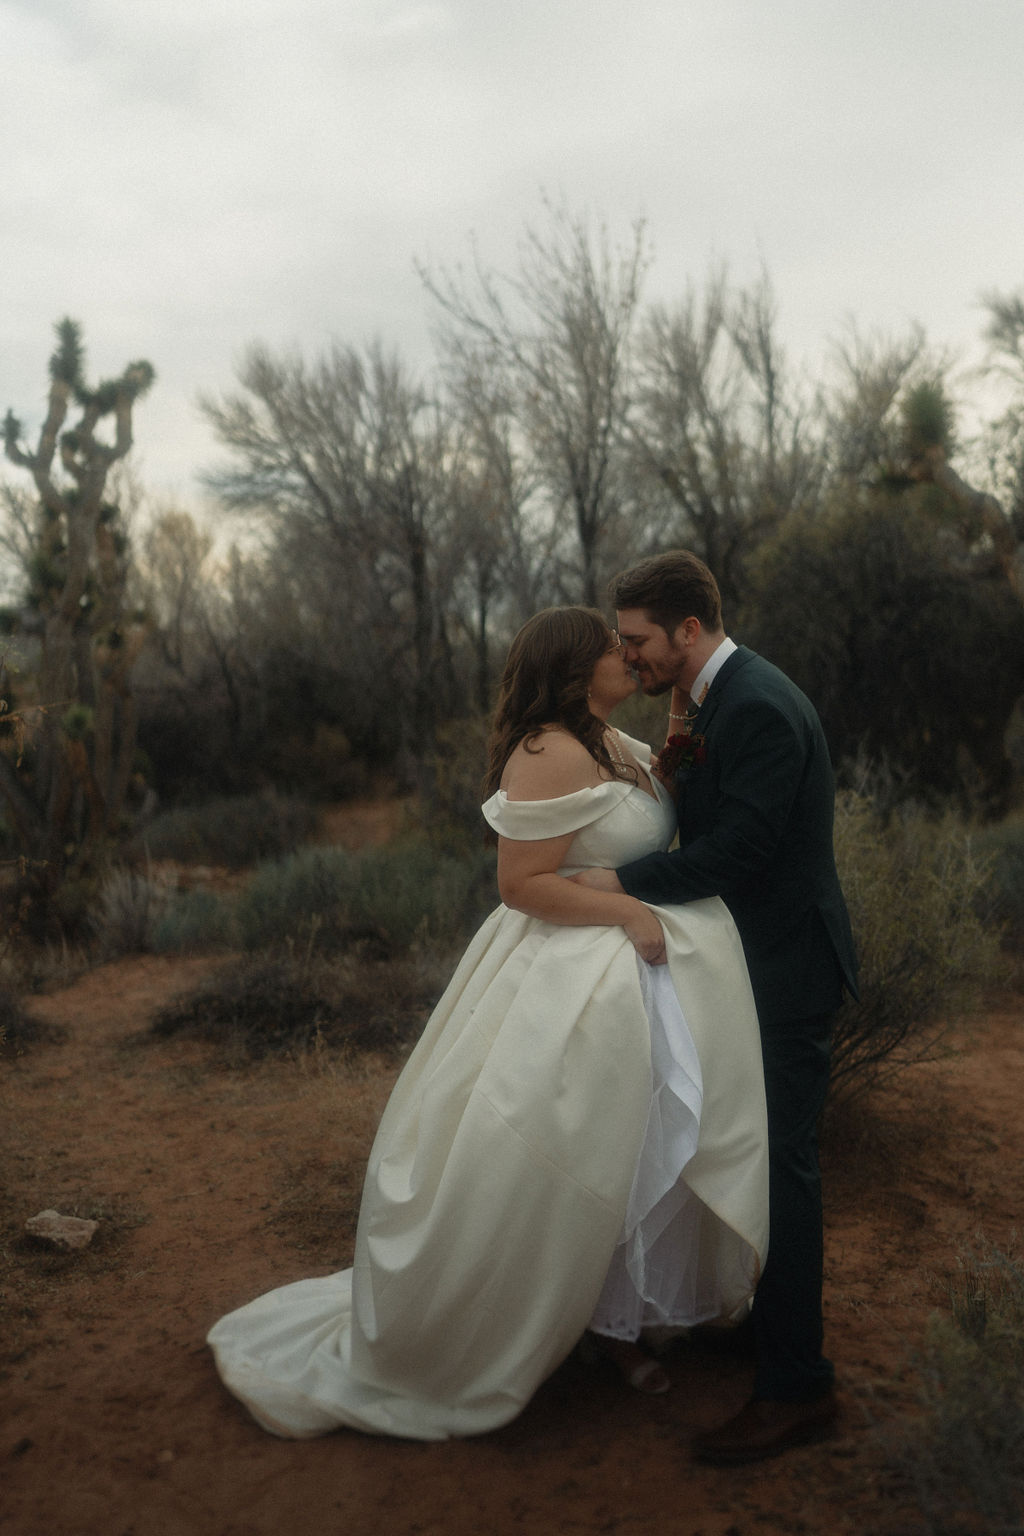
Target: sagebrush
{"points": [[232, 831], [915, 887], [384, 901], [284, 1004], [964, 1452]]}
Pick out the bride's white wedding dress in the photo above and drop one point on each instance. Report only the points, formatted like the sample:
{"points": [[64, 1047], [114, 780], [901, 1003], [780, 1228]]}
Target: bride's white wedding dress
{"points": [[577, 1140]]}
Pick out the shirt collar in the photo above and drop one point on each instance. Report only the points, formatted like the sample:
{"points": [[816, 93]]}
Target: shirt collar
{"points": [[710, 670]]}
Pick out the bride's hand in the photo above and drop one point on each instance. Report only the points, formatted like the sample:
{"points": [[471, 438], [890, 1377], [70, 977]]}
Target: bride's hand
{"points": [[647, 936]]}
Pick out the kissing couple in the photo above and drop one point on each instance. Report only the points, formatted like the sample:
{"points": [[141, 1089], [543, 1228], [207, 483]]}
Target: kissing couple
{"points": [[607, 1131]]}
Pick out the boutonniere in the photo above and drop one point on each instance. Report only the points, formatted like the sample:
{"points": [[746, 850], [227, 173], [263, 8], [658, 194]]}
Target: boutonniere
{"points": [[686, 750]]}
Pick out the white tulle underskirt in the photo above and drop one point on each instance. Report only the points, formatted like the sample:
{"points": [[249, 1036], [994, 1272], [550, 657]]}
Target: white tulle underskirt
{"points": [[659, 1278]]}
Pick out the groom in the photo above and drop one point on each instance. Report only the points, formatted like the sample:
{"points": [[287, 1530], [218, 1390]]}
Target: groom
{"points": [[755, 803]]}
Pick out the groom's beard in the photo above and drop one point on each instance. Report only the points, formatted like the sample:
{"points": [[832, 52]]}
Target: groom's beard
{"points": [[652, 685], [661, 673]]}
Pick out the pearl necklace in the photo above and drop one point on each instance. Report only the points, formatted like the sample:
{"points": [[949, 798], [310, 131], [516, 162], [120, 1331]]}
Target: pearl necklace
{"points": [[612, 738]]}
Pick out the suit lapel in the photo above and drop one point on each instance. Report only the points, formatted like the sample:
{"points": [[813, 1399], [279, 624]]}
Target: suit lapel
{"points": [[738, 658], [706, 713]]}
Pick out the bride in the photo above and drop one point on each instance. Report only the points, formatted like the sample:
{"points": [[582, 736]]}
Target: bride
{"points": [[578, 1140]]}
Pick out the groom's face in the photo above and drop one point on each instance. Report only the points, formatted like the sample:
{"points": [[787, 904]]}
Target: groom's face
{"points": [[658, 658]]}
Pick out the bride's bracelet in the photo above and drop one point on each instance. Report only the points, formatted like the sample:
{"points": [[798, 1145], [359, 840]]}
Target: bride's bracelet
{"points": [[673, 716]]}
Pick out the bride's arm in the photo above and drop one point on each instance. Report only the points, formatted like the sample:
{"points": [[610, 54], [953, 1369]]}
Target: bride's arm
{"points": [[528, 878]]}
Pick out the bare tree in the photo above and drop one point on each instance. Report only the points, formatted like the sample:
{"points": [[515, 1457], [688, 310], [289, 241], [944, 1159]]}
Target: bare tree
{"points": [[173, 583], [719, 437], [984, 530], [197, 672], [560, 332], [503, 560], [348, 460], [1005, 438], [863, 409], [80, 758], [1005, 334]]}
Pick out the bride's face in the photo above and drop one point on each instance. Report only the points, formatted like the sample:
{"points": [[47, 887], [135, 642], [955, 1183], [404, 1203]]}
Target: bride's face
{"points": [[611, 680]]}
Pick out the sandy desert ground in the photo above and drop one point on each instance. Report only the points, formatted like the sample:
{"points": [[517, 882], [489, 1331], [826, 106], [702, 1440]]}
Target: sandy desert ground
{"points": [[213, 1184]]}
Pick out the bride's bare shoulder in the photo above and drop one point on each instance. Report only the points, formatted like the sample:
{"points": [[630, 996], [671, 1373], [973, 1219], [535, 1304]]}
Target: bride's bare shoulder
{"points": [[550, 765]]}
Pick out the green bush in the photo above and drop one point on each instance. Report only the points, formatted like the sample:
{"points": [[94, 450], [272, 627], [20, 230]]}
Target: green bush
{"points": [[282, 1004], [193, 921], [384, 901], [319, 764], [1001, 844], [233, 832], [136, 913], [964, 1455], [914, 887], [882, 671], [451, 812]]}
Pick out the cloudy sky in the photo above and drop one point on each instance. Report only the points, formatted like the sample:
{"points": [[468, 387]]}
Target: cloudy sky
{"points": [[187, 176]]}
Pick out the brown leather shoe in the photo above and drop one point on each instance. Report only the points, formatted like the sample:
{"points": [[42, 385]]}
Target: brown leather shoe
{"points": [[766, 1428]]}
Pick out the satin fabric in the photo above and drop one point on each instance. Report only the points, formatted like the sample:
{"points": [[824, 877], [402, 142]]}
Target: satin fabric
{"points": [[521, 1153]]}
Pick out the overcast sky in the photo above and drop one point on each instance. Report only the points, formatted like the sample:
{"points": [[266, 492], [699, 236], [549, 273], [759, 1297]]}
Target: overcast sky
{"points": [[188, 176]]}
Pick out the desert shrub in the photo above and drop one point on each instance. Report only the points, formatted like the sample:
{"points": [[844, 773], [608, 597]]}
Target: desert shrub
{"points": [[283, 1004], [882, 673], [191, 921], [1001, 844], [18, 1029], [318, 763], [452, 810], [29, 969], [913, 885], [129, 904], [382, 900], [234, 831], [964, 1454]]}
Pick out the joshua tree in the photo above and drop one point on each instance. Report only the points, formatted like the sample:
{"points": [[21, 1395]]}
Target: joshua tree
{"points": [[65, 787]]}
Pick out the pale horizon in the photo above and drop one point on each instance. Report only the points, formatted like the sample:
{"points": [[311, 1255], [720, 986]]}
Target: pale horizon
{"points": [[186, 182]]}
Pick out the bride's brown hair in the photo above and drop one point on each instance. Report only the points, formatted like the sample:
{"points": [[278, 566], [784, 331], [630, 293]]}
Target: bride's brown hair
{"points": [[547, 674]]}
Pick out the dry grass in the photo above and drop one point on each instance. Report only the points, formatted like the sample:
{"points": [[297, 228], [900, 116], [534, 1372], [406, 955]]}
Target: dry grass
{"points": [[318, 1207], [915, 891], [963, 1455], [302, 1006]]}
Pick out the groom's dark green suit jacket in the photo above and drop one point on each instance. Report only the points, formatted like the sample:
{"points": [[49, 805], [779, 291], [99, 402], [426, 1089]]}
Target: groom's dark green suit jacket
{"points": [[755, 827]]}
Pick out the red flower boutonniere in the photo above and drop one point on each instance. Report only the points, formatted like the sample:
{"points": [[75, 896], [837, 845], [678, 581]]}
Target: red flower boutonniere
{"points": [[682, 751]]}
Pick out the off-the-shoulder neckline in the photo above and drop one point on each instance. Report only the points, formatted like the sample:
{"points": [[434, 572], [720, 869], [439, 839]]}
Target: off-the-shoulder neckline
{"points": [[619, 787]]}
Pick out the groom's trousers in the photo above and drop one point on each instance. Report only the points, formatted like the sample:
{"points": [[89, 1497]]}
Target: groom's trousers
{"points": [[787, 1310]]}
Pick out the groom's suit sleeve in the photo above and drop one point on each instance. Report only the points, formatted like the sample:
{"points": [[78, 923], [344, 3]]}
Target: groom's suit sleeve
{"points": [[757, 762]]}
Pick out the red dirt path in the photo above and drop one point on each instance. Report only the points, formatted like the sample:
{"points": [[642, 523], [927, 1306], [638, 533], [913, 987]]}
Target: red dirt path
{"points": [[214, 1185]]}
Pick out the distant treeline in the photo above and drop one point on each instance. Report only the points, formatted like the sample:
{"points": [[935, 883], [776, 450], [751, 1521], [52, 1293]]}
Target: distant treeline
{"points": [[393, 532]]}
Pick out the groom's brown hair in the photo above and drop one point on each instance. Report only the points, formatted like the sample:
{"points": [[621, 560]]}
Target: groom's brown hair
{"points": [[670, 588]]}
